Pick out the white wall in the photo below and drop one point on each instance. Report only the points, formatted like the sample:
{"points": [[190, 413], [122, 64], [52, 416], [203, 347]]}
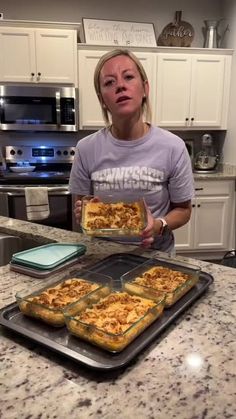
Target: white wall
{"points": [[159, 12], [229, 11]]}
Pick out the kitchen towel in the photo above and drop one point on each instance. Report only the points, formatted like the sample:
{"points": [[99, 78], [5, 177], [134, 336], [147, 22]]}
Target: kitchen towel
{"points": [[37, 203]]}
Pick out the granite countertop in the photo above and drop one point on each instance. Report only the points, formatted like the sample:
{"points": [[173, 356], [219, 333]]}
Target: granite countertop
{"points": [[224, 172], [186, 373]]}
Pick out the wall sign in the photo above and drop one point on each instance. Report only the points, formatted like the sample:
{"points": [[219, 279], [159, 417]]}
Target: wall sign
{"points": [[119, 33]]}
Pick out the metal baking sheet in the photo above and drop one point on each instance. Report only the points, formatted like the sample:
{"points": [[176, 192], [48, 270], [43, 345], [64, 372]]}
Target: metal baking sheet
{"points": [[59, 339]]}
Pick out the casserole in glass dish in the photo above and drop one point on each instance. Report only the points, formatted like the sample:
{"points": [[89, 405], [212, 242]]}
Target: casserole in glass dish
{"points": [[108, 217], [47, 302], [114, 321], [161, 276]]}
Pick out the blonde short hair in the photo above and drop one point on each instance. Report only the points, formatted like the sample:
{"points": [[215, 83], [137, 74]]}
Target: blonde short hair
{"points": [[146, 108]]}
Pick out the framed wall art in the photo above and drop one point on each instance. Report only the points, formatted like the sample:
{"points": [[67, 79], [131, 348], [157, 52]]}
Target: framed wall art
{"points": [[118, 33]]}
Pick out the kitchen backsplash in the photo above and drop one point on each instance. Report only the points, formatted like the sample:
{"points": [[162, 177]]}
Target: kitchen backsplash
{"points": [[71, 139], [43, 138], [218, 139]]}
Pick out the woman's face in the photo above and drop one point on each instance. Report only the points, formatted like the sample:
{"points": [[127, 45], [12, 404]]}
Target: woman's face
{"points": [[122, 88]]}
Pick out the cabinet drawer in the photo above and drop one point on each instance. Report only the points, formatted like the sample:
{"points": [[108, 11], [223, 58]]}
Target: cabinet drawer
{"points": [[215, 187]]}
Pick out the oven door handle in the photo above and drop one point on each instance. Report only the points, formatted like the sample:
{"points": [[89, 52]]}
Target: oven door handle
{"points": [[58, 108], [21, 189]]}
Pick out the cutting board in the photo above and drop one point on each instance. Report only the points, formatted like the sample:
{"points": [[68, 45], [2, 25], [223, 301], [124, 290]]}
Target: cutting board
{"points": [[177, 33]]}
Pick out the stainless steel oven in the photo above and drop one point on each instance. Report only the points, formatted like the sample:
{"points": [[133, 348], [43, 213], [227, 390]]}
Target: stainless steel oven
{"points": [[51, 166], [12, 204], [38, 108]]}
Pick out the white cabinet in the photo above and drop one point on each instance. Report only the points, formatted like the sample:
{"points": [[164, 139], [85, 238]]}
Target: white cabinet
{"points": [[188, 90], [192, 90], [90, 111], [38, 55], [212, 222]]}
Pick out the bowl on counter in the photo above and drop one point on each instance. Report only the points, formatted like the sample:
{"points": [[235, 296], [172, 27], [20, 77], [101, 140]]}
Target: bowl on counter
{"points": [[22, 169]]}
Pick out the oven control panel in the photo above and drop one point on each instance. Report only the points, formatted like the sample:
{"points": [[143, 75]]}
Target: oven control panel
{"points": [[39, 154]]}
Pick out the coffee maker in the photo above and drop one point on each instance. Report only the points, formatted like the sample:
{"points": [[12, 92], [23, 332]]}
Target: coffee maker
{"points": [[206, 160]]}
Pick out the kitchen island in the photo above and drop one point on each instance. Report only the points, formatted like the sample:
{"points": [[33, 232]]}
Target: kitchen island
{"points": [[187, 372]]}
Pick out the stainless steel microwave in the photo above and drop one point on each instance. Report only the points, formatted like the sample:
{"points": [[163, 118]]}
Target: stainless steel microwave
{"points": [[38, 108]]}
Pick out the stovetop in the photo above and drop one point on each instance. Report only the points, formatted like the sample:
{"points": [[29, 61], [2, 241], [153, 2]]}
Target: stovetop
{"points": [[52, 164], [39, 154], [49, 177]]}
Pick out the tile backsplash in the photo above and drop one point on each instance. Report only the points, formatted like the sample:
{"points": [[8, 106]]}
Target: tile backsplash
{"points": [[71, 139], [196, 137]]}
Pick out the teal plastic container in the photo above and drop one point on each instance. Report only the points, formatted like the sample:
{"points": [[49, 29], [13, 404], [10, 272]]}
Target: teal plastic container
{"points": [[48, 256]]}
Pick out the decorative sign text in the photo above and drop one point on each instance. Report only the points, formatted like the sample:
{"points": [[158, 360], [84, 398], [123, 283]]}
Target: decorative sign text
{"points": [[112, 32]]}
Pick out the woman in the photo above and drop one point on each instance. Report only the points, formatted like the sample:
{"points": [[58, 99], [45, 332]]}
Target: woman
{"points": [[132, 158]]}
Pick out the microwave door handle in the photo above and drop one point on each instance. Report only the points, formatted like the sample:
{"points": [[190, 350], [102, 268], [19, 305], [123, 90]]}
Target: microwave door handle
{"points": [[58, 108], [1, 112]]}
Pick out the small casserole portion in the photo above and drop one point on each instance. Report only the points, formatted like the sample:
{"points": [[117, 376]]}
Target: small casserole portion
{"points": [[160, 276], [114, 321], [112, 218], [46, 303]]}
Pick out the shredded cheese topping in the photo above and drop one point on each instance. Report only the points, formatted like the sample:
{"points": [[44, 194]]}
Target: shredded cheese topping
{"points": [[99, 215], [64, 293], [162, 278], [116, 312]]}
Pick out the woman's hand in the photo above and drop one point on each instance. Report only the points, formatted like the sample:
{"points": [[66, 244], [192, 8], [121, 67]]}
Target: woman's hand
{"points": [[78, 207], [152, 229], [178, 216], [78, 210]]}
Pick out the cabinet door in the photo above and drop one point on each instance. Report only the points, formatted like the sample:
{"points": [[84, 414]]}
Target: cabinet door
{"points": [[17, 57], [90, 111], [184, 236], [192, 90], [56, 56], [173, 90], [148, 61], [211, 222], [207, 91]]}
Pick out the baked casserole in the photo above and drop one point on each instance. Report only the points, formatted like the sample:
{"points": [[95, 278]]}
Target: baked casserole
{"points": [[114, 321], [155, 278], [47, 303], [109, 218]]}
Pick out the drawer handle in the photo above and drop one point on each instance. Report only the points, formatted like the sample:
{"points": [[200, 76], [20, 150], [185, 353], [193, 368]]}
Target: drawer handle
{"points": [[198, 189]]}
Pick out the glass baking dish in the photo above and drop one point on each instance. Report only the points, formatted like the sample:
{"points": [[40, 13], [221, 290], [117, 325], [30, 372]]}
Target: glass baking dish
{"points": [[161, 276], [109, 325], [109, 217], [46, 302]]}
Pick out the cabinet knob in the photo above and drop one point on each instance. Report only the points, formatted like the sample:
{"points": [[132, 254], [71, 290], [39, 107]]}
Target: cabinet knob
{"points": [[32, 74], [39, 74], [198, 205], [192, 119], [186, 119], [193, 206]]}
